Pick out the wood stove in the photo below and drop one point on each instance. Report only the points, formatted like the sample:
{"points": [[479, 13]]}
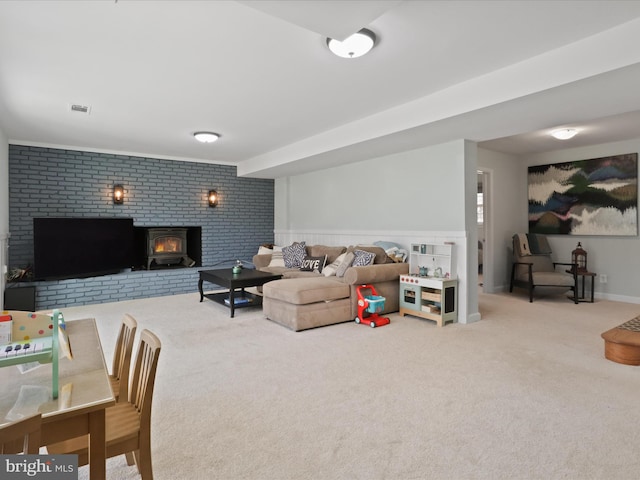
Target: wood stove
{"points": [[167, 247]]}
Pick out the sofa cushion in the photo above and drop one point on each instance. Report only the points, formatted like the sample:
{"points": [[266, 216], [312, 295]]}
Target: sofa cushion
{"points": [[289, 272], [374, 274], [311, 315], [331, 252], [297, 273], [301, 291], [294, 254]]}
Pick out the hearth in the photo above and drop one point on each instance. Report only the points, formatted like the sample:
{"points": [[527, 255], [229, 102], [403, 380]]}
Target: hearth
{"points": [[167, 247], [162, 247]]}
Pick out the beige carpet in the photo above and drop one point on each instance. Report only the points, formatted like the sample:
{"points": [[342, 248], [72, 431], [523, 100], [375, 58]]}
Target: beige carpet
{"points": [[523, 394]]}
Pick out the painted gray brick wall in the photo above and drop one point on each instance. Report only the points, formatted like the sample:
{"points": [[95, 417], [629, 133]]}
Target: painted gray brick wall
{"points": [[67, 183]]}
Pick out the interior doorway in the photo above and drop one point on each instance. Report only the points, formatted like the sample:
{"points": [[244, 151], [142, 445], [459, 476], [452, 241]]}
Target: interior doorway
{"points": [[485, 270]]}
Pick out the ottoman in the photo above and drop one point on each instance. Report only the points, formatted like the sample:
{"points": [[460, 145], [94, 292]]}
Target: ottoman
{"points": [[303, 303], [622, 343]]}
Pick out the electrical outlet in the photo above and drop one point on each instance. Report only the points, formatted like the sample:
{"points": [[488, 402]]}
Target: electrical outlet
{"points": [[604, 278]]}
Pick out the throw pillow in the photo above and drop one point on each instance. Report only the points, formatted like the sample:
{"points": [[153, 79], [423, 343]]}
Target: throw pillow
{"points": [[332, 268], [294, 254], [313, 264], [381, 256], [264, 250], [346, 263], [276, 260], [362, 258]]}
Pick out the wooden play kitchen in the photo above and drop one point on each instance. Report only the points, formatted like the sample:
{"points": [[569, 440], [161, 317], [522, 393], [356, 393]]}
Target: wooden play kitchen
{"points": [[429, 291]]}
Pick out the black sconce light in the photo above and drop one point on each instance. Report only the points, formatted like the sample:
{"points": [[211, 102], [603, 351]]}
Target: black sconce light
{"points": [[118, 194], [213, 198]]}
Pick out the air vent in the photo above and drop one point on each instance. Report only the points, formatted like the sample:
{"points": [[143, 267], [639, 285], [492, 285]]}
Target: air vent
{"points": [[80, 108]]}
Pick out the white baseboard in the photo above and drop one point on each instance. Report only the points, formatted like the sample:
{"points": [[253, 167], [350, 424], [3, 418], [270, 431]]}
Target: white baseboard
{"points": [[597, 295], [473, 317], [616, 298]]}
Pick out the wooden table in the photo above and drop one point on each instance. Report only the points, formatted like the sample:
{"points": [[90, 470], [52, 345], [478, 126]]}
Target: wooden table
{"points": [[80, 413], [226, 278]]}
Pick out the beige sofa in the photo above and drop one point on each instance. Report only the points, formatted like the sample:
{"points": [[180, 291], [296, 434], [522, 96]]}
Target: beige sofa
{"points": [[303, 300]]}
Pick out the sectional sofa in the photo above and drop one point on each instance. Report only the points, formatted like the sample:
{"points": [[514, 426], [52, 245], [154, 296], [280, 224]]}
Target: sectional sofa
{"points": [[312, 297]]}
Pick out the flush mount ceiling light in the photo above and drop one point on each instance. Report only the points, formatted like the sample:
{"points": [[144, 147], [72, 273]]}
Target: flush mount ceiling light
{"points": [[206, 137], [564, 133], [354, 46]]}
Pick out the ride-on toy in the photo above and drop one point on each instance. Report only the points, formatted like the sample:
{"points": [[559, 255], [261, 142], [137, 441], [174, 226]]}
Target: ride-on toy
{"points": [[369, 306]]}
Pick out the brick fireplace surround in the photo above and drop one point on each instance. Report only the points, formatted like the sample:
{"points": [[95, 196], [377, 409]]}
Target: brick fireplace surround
{"points": [[69, 183]]}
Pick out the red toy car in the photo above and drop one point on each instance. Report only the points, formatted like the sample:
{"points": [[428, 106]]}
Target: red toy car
{"points": [[369, 306]]}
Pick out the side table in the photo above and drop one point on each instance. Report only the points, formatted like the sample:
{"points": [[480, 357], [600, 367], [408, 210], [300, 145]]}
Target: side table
{"points": [[593, 277]]}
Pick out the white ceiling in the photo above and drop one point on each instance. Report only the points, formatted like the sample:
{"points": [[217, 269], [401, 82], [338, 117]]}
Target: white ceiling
{"points": [[259, 73]]}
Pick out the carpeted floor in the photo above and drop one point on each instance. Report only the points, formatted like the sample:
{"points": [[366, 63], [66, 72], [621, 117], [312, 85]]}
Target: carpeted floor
{"points": [[523, 394]]}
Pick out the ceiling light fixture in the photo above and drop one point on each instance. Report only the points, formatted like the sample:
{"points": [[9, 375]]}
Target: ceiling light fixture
{"points": [[354, 46], [206, 137], [564, 133]]}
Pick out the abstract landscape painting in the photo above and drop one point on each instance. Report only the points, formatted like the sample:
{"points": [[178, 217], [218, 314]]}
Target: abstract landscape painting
{"points": [[586, 197]]}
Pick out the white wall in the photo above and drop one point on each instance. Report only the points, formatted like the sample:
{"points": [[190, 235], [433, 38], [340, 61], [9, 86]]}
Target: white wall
{"points": [[387, 193], [413, 196], [618, 257], [4, 210]]}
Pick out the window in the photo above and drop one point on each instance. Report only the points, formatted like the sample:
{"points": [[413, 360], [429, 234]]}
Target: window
{"points": [[480, 200]]}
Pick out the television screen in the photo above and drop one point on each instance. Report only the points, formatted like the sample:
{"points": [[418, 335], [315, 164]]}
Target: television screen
{"points": [[81, 247]]}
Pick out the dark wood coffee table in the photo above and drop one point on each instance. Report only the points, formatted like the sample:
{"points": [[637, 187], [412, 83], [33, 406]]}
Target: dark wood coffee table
{"points": [[233, 281]]}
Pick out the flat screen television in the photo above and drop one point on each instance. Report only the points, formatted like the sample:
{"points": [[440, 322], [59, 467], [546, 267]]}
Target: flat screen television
{"points": [[81, 247]]}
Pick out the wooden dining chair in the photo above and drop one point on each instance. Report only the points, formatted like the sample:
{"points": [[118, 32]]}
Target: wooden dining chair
{"points": [[121, 368], [21, 436], [128, 423]]}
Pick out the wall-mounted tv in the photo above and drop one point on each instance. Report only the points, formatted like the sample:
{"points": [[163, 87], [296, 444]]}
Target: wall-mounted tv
{"points": [[81, 247]]}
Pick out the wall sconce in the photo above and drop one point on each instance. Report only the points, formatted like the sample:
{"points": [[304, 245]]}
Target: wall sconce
{"points": [[213, 198], [118, 194]]}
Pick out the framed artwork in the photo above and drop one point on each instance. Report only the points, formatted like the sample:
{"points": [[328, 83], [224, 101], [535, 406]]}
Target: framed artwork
{"points": [[598, 196]]}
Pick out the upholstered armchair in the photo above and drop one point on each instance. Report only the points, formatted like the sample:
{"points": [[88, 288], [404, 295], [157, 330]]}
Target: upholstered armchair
{"points": [[533, 267]]}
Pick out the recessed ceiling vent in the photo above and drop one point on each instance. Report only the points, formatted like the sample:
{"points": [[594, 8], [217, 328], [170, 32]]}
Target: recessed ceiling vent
{"points": [[80, 108]]}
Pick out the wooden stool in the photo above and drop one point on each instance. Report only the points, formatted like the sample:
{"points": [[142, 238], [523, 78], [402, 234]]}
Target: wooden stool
{"points": [[622, 343]]}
